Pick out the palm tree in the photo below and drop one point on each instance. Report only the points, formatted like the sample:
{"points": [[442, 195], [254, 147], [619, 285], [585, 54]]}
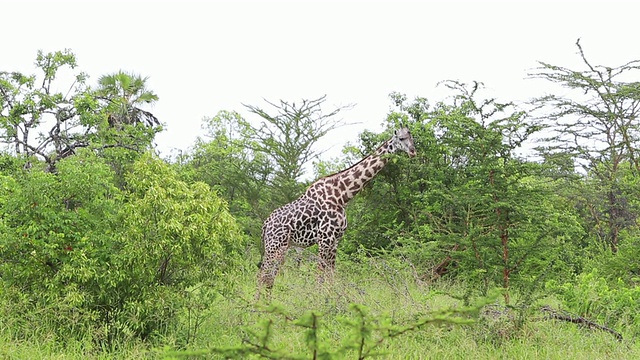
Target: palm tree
{"points": [[125, 93]]}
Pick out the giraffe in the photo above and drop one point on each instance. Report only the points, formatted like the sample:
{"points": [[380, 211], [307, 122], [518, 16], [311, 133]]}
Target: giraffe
{"points": [[318, 215]]}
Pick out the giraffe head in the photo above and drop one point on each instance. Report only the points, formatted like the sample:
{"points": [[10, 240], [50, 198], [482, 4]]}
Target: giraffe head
{"points": [[402, 141]]}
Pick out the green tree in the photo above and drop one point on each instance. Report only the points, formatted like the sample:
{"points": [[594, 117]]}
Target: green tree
{"points": [[596, 125], [36, 117], [40, 120], [288, 138], [125, 130], [467, 204], [56, 239], [223, 159], [125, 93]]}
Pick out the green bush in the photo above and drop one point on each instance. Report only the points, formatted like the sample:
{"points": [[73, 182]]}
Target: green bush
{"points": [[610, 303], [85, 257]]}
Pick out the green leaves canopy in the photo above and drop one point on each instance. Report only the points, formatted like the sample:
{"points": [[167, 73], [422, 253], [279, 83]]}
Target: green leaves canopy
{"points": [[74, 241]]}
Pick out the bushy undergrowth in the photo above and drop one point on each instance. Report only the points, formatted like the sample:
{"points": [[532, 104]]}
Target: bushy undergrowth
{"points": [[84, 259], [360, 312], [372, 307], [611, 303]]}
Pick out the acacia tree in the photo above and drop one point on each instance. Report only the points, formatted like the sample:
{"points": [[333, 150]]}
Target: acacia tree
{"points": [[288, 137], [597, 126], [467, 205], [497, 214]]}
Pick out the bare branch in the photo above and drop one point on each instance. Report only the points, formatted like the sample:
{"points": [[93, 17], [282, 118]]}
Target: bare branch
{"points": [[554, 314]]}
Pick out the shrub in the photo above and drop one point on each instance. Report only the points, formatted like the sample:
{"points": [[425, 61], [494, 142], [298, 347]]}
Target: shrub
{"points": [[611, 303], [90, 258]]}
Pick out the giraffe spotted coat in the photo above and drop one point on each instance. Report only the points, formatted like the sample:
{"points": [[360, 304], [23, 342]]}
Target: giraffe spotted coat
{"points": [[318, 216]]}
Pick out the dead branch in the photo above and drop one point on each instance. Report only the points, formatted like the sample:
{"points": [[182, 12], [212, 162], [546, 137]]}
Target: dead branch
{"points": [[564, 316]]}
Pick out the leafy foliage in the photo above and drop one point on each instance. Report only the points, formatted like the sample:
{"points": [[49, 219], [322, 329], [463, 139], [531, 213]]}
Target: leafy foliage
{"points": [[487, 215], [114, 260], [50, 123], [591, 295], [224, 161], [288, 140], [597, 127]]}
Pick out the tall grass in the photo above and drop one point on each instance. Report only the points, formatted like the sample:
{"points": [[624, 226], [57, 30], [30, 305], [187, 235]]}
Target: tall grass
{"points": [[304, 318]]}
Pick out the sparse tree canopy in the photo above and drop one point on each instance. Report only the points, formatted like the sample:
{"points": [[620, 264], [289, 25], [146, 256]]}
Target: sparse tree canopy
{"points": [[597, 125], [36, 117], [599, 121], [289, 136]]}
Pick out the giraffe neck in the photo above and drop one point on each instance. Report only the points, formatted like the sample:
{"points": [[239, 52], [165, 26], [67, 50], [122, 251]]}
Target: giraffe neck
{"points": [[341, 187]]}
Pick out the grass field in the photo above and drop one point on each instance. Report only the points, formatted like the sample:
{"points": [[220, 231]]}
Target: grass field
{"points": [[397, 317]]}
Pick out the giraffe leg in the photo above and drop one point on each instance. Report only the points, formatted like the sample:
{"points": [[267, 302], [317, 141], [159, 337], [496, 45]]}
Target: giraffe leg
{"points": [[327, 260], [269, 269]]}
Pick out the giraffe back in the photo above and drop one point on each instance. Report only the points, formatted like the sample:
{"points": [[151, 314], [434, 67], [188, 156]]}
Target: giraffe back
{"points": [[303, 222]]}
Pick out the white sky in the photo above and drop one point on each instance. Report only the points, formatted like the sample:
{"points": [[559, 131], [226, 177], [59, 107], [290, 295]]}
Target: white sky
{"points": [[206, 56]]}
